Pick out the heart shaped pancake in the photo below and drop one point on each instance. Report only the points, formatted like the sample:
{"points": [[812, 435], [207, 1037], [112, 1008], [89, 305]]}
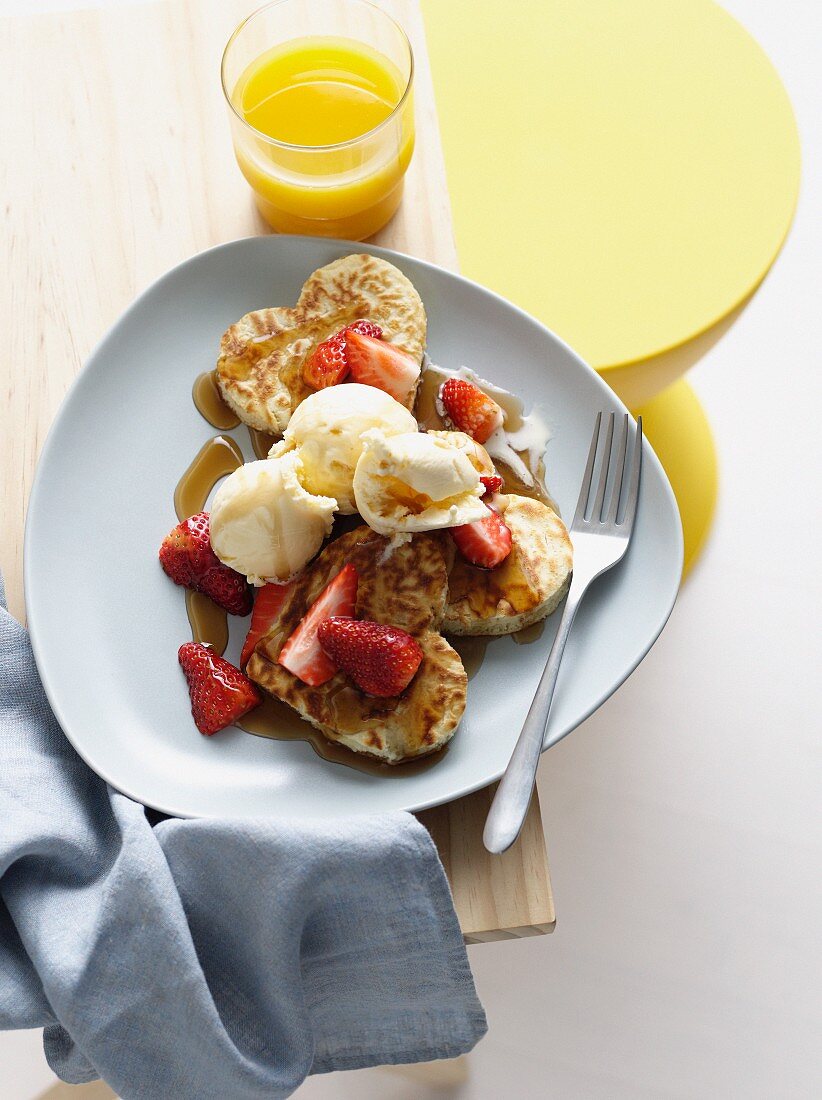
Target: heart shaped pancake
{"points": [[259, 372], [405, 586]]}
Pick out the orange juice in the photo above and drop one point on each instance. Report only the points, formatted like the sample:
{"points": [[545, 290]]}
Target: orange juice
{"points": [[325, 149]]}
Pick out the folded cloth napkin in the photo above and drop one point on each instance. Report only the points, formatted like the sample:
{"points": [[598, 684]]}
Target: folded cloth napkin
{"points": [[210, 958]]}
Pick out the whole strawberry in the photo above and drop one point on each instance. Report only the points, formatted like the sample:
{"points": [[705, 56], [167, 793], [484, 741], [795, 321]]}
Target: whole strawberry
{"points": [[381, 660], [187, 557], [220, 693]]}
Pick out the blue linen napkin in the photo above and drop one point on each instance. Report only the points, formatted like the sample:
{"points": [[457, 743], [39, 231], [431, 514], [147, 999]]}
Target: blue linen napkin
{"points": [[210, 958]]}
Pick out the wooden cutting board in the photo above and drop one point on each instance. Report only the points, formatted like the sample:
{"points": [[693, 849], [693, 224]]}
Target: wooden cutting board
{"points": [[117, 165]]}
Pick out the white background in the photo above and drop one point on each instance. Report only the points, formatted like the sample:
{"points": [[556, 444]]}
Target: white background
{"points": [[685, 851]]}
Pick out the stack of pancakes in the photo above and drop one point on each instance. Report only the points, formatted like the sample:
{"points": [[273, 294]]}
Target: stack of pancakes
{"points": [[422, 586]]}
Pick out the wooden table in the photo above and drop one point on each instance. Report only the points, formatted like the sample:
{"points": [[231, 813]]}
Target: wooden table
{"points": [[117, 165]]}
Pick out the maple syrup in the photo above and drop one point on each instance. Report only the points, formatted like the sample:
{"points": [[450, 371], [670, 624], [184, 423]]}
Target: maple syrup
{"points": [[529, 634], [471, 649], [279, 722], [209, 623], [261, 442], [215, 459], [210, 404]]}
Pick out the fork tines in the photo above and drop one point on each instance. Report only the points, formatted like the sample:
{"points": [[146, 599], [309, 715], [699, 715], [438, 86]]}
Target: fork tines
{"points": [[617, 477]]}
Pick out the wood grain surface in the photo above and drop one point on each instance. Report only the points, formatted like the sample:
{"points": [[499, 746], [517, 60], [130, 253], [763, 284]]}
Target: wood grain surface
{"points": [[117, 165]]}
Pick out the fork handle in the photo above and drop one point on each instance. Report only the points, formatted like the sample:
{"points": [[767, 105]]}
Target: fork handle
{"points": [[513, 797]]}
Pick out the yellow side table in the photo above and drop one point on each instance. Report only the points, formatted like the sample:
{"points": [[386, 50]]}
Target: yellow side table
{"points": [[626, 170]]}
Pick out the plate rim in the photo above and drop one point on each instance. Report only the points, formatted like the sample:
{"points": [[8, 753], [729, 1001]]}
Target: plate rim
{"points": [[71, 395]]}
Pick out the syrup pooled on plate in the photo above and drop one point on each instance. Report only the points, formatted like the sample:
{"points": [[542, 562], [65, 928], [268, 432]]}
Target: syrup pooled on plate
{"points": [[210, 404], [529, 634], [279, 722], [261, 442], [471, 649], [209, 622], [216, 459]]}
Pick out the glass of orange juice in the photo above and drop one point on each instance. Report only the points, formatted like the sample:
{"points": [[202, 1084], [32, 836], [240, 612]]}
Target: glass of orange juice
{"points": [[322, 116]]}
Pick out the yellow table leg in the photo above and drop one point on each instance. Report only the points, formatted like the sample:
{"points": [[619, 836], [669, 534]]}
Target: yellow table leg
{"points": [[679, 433]]}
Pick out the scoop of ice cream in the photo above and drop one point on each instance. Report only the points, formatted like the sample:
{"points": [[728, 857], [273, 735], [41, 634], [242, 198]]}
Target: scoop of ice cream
{"points": [[415, 482], [473, 451], [265, 524], [326, 430]]}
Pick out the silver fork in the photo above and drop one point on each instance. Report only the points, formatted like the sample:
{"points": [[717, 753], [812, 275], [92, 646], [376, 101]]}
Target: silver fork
{"points": [[599, 541]]}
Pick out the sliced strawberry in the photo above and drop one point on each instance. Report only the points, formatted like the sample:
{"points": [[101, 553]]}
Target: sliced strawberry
{"points": [[469, 409], [367, 328], [381, 660], [187, 558], [267, 603], [327, 365], [377, 363], [486, 542], [491, 482], [220, 693], [302, 654]]}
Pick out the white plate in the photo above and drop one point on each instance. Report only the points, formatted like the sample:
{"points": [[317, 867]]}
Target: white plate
{"points": [[106, 622]]}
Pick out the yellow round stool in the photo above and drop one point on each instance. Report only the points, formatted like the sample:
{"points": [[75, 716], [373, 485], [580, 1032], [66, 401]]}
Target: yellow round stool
{"points": [[627, 171]]}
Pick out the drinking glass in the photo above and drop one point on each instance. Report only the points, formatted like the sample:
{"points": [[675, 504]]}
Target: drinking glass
{"points": [[349, 189]]}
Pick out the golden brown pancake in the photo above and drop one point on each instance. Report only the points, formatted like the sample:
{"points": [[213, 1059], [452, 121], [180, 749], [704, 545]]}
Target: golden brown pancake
{"points": [[259, 372], [405, 586], [525, 588]]}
